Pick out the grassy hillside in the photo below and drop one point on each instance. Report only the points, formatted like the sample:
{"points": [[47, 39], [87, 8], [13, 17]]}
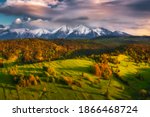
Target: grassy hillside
{"points": [[75, 69], [86, 85]]}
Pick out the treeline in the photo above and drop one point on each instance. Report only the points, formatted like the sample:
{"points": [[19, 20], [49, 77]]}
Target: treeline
{"points": [[30, 50], [38, 50], [139, 52]]}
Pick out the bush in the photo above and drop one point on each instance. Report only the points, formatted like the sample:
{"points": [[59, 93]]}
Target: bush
{"points": [[106, 70], [31, 78], [78, 83], [13, 71], [96, 70], [143, 93], [107, 94], [107, 74], [38, 79], [114, 60], [49, 70], [44, 89], [1, 63], [67, 80], [24, 81]]}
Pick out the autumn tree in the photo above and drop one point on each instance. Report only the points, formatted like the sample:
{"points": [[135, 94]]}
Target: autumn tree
{"points": [[1, 63]]}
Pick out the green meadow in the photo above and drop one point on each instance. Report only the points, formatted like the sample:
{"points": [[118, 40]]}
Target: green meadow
{"points": [[78, 70]]}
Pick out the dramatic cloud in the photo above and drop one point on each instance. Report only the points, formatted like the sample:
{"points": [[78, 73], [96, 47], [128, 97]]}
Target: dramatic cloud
{"points": [[141, 5], [29, 23], [45, 3], [125, 15]]}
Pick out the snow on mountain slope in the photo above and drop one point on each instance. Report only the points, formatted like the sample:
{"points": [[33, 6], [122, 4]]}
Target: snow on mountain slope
{"points": [[81, 29], [64, 29], [119, 33], [39, 32], [61, 32], [77, 32], [102, 31], [19, 31]]}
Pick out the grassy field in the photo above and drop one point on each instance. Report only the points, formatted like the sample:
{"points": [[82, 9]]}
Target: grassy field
{"points": [[84, 84]]}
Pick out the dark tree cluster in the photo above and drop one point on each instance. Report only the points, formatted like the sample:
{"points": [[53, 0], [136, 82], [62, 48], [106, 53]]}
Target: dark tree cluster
{"points": [[139, 52], [24, 81], [31, 50]]}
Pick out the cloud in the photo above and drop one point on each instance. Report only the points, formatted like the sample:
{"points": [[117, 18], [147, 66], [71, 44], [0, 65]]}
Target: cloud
{"points": [[29, 23], [32, 8], [140, 5], [113, 14], [45, 3]]}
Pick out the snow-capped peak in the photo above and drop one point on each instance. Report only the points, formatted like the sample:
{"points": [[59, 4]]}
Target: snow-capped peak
{"points": [[81, 29], [39, 31], [64, 28], [102, 31], [64, 31], [20, 30]]}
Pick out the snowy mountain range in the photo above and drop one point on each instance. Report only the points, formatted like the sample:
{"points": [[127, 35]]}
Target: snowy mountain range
{"points": [[65, 32]]}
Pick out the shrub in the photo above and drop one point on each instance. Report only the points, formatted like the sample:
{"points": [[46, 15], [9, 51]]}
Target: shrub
{"points": [[90, 79], [143, 93], [38, 79], [35, 82], [24, 81], [17, 87], [78, 83], [114, 60], [44, 89], [106, 70], [1, 63], [73, 87], [46, 74], [107, 74], [104, 58], [50, 70], [28, 83], [67, 80], [107, 94], [96, 70], [83, 74], [31, 78], [13, 71], [51, 79]]}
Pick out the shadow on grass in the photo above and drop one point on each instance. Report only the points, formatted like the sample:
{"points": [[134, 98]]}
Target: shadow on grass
{"points": [[35, 71], [30, 69], [81, 91], [6, 79], [78, 69], [137, 84]]}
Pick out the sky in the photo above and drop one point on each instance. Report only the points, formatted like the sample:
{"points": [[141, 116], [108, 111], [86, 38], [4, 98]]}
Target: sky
{"points": [[131, 16]]}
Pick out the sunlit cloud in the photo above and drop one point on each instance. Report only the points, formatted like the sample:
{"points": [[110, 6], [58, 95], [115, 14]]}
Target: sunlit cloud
{"points": [[44, 3], [114, 14]]}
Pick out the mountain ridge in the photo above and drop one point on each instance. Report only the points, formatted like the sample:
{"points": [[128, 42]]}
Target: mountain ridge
{"points": [[66, 32]]}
